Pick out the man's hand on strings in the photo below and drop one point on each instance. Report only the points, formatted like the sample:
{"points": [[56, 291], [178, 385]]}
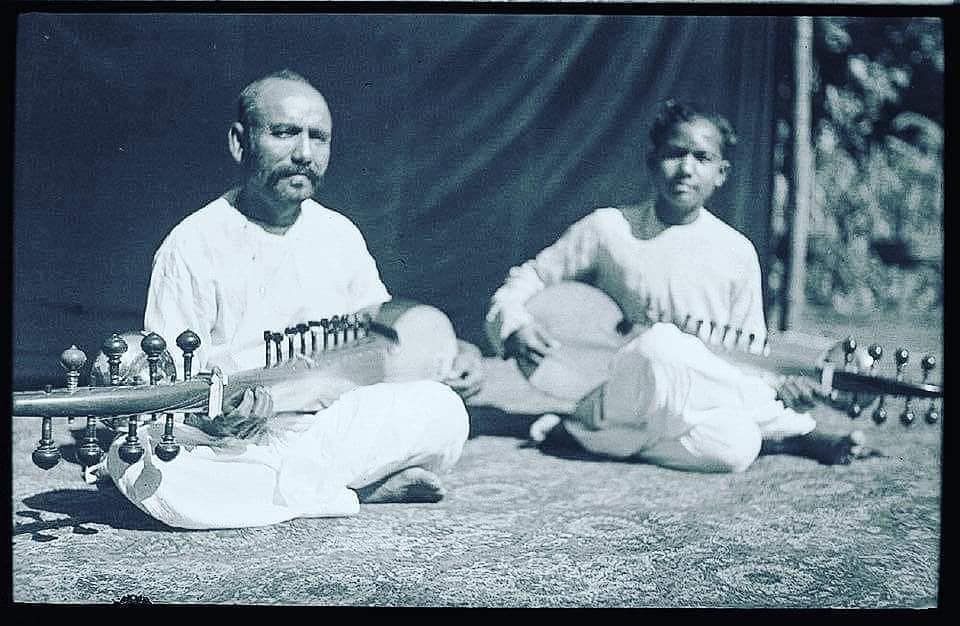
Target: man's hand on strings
{"points": [[243, 418], [798, 393], [529, 345], [466, 377]]}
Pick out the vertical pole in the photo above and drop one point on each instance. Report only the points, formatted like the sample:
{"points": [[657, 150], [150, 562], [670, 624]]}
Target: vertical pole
{"points": [[803, 172]]}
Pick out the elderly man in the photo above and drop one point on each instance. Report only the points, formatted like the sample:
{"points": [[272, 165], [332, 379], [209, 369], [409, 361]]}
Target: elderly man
{"points": [[264, 255]]}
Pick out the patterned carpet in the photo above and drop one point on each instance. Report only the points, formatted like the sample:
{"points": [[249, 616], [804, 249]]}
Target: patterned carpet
{"points": [[520, 528]]}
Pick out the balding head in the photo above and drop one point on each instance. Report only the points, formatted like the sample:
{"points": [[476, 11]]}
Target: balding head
{"points": [[250, 96]]}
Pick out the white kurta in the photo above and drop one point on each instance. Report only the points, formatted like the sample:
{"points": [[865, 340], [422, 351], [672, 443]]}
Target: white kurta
{"points": [[669, 399], [228, 280]]}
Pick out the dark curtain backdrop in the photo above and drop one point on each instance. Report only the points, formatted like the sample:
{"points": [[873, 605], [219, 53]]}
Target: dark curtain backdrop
{"points": [[462, 144]]}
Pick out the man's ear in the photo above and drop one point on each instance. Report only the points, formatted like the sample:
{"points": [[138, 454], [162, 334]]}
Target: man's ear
{"points": [[722, 173], [236, 141]]}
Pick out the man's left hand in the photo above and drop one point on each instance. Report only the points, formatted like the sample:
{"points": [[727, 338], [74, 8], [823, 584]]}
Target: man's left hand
{"points": [[467, 375], [798, 393], [245, 420]]}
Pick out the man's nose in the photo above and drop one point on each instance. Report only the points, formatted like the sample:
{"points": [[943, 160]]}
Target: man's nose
{"points": [[688, 163], [302, 151]]}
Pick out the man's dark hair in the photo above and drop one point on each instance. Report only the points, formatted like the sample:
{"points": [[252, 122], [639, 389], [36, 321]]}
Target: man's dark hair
{"points": [[247, 100], [673, 112]]}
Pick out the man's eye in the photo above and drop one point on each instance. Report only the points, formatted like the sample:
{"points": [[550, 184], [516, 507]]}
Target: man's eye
{"points": [[705, 157], [285, 132], [320, 136]]}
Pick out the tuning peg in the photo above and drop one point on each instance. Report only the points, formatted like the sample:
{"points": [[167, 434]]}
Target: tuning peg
{"points": [[131, 450], [726, 335], [302, 330], [278, 342], [114, 347], [325, 324], [153, 346], [880, 413], [908, 416], [290, 331], [167, 448], [267, 336], [901, 357], [738, 340], [854, 409], [355, 325], [89, 452], [335, 330], [313, 335], [73, 359], [345, 327], [875, 352], [188, 342], [849, 346], [47, 453], [927, 364]]}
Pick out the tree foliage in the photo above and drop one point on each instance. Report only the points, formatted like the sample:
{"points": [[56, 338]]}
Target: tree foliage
{"points": [[876, 229]]}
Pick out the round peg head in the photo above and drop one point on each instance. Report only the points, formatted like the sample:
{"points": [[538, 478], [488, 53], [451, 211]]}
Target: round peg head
{"points": [[153, 344], [908, 417], [880, 415], [901, 356], [189, 341], [167, 451], [114, 345], [854, 410], [932, 416], [46, 456], [302, 328], [849, 346], [875, 352], [928, 363], [72, 359], [89, 454], [130, 451]]}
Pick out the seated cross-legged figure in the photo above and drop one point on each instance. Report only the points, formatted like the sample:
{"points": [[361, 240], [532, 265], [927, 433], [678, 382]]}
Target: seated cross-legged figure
{"points": [[266, 255], [669, 400]]}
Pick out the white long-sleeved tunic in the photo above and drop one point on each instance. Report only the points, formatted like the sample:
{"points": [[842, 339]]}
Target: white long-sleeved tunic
{"points": [[228, 280], [704, 269], [668, 399]]}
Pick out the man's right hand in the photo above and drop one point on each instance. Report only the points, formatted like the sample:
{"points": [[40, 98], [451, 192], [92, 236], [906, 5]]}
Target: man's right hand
{"points": [[529, 344]]}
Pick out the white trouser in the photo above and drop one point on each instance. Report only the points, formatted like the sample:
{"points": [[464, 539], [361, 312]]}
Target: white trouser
{"points": [[671, 401], [306, 465]]}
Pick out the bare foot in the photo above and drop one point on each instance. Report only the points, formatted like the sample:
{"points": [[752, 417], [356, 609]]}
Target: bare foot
{"points": [[413, 484], [540, 429], [831, 449]]}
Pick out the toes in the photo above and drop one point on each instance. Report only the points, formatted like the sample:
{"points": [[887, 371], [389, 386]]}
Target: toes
{"points": [[540, 428]]}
